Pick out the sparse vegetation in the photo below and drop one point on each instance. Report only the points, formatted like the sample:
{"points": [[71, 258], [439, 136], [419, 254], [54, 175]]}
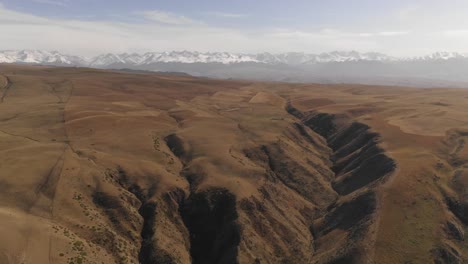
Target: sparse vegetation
{"points": [[179, 169]]}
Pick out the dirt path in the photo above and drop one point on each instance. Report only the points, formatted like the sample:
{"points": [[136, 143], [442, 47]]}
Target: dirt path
{"points": [[20, 136]]}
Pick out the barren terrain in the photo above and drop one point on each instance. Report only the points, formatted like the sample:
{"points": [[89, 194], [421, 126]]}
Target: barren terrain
{"points": [[115, 167]]}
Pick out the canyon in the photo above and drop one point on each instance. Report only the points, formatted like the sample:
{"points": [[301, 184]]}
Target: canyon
{"points": [[112, 166]]}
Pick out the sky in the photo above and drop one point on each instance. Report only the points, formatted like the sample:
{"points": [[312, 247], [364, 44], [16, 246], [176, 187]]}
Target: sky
{"points": [[91, 27]]}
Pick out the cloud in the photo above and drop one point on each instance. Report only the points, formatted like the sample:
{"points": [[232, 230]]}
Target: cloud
{"points": [[408, 12], [168, 31], [456, 33], [227, 15], [366, 35], [87, 37], [392, 33], [384, 34], [52, 2], [333, 33], [168, 18]]}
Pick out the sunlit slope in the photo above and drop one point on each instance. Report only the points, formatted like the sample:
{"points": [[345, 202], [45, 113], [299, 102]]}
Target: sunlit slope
{"points": [[113, 167]]}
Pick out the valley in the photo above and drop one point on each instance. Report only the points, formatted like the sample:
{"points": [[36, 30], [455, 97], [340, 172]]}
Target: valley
{"points": [[107, 166]]}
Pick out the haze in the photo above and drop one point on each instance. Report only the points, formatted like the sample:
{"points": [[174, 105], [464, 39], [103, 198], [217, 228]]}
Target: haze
{"points": [[233, 132], [85, 27]]}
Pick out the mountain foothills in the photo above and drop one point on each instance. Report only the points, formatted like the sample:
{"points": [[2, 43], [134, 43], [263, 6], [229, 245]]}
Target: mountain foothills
{"points": [[102, 166], [438, 69]]}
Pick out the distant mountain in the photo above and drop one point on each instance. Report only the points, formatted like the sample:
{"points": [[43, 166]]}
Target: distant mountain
{"points": [[291, 58], [41, 57], [441, 56], [437, 69]]}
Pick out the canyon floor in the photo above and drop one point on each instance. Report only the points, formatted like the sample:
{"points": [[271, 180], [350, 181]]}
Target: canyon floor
{"points": [[115, 167]]}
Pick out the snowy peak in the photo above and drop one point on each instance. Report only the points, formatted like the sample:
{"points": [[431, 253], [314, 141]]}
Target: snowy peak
{"points": [[340, 56], [443, 56], [196, 57], [110, 60], [135, 59], [106, 59], [168, 57], [39, 57]]}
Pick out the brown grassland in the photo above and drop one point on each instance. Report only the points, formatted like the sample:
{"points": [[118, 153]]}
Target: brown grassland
{"points": [[114, 167]]}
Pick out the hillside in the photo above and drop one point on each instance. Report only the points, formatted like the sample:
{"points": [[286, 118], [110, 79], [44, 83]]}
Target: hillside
{"points": [[104, 166]]}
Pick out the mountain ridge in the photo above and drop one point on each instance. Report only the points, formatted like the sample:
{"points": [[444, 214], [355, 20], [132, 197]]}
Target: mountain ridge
{"points": [[189, 57], [441, 69]]}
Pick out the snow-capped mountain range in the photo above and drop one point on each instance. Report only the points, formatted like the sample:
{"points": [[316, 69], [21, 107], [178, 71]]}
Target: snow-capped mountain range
{"points": [[40, 57], [135, 59], [439, 69]]}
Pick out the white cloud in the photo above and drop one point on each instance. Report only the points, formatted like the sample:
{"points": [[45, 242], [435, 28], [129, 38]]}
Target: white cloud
{"points": [[384, 34], [392, 33], [162, 31], [456, 32], [227, 15], [408, 12], [168, 18], [52, 2], [84, 37]]}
